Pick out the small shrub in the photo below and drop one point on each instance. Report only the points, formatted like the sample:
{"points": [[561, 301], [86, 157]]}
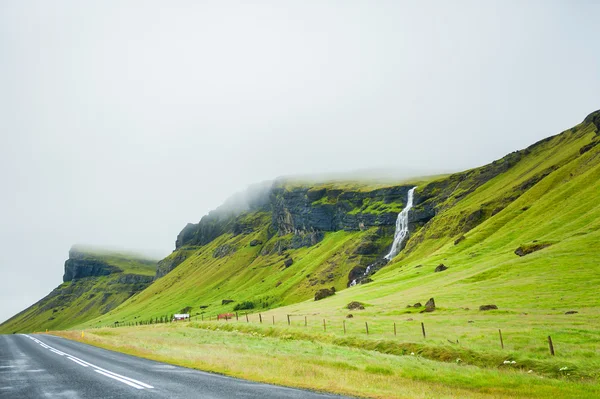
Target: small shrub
{"points": [[244, 306]]}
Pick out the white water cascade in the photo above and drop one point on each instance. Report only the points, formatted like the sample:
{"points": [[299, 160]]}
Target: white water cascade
{"points": [[401, 226], [399, 236]]}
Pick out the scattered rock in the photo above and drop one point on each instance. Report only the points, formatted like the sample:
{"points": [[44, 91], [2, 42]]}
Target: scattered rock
{"points": [[441, 268], [417, 305], [324, 293], [278, 284], [571, 312], [459, 240], [355, 305], [417, 266], [488, 307], [527, 249], [226, 301], [254, 243], [409, 319], [366, 280], [288, 262], [349, 316], [430, 305], [223, 250], [471, 321]]}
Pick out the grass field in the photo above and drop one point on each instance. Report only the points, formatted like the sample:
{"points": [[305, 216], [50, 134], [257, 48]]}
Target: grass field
{"points": [[283, 356]]}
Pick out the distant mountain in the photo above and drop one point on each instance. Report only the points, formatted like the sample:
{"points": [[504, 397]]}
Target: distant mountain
{"points": [[95, 282]]}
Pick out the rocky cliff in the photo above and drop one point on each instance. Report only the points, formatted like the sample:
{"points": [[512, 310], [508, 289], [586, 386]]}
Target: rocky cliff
{"points": [[80, 265]]}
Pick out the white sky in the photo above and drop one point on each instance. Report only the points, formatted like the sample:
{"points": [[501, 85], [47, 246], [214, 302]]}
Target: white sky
{"points": [[121, 121]]}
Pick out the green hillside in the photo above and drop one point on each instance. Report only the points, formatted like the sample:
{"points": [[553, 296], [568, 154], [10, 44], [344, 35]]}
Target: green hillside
{"points": [[521, 234], [547, 193], [106, 280]]}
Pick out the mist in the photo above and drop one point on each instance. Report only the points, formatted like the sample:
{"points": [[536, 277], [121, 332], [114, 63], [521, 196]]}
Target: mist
{"points": [[122, 121]]}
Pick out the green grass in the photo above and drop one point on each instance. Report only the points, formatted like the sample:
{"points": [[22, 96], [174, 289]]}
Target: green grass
{"points": [[286, 357]]}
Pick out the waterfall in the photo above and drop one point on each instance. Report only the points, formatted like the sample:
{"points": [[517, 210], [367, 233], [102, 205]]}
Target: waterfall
{"points": [[399, 236], [401, 226]]}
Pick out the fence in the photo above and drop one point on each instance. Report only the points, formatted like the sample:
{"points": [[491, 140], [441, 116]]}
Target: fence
{"points": [[304, 321]]}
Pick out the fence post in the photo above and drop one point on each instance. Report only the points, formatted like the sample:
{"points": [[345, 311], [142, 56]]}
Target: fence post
{"points": [[550, 345], [247, 321], [367, 327], [260, 317], [305, 322], [344, 323], [288, 316], [273, 319], [394, 329], [423, 329], [501, 341], [324, 325], [236, 316]]}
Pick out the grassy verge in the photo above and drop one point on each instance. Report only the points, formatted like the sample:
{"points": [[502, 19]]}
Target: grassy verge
{"points": [[356, 368]]}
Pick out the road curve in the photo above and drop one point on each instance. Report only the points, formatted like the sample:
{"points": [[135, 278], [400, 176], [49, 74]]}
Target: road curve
{"points": [[37, 366]]}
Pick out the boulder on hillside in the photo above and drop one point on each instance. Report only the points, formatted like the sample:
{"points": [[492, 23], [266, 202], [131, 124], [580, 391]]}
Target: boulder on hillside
{"points": [[488, 307], [288, 262], [324, 293], [254, 243], [226, 301], [355, 305], [430, 305], [571, 312], [530, 248], [349, 316], [441, 268]]}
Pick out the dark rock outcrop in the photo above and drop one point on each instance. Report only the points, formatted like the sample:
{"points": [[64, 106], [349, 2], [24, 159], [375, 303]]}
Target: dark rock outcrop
{"points": [[226, 301], [79, 266], [255, 243], [324, 293], [309, 209], [354, 305], [224, 218], [430, 305], [440, 268], [594, 118], [530, 248], [134, 279], [166, 265], [223, 251], [571, 312], [288, 262], [488, 307]]}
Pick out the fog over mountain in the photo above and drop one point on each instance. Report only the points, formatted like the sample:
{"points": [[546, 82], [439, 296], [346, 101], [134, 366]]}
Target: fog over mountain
{"points": [[123, 121]]}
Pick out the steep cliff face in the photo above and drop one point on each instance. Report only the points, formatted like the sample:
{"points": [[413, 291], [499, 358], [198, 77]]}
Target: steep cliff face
{"points": [[306, 211], [79, 265]]}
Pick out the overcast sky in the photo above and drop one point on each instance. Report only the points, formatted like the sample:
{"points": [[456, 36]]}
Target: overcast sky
{"points": [[121, 121]]}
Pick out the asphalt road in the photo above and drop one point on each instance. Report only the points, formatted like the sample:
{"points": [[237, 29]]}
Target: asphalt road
{"points": [[45, 366]]}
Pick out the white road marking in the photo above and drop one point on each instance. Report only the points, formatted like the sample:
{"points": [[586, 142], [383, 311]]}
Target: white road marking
{"points": [[77, 361], [119, 379], [126, 380]]}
